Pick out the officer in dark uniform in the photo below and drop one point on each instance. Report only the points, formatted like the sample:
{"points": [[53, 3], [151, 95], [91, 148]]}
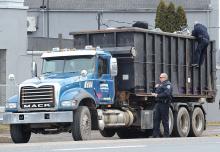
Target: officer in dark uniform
{"points": [[202, 36], [163, 95]]}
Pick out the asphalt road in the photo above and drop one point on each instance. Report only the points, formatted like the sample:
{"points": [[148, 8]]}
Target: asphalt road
{"points": [[64, 143], [211, 131], [201, 144]]}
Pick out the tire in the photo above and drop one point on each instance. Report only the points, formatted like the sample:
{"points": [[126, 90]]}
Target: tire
{"points": [[125, 133], [20, 133], [81, 127], [171, 123], [148, 133], [181, 123], [107, 132], [197, 119]]}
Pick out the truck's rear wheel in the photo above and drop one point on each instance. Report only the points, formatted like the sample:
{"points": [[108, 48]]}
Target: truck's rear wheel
{"points": [[171, 122], [107, 132], [197, 122], [81, 127], [181, 123], [20, 133], [148, 133]]}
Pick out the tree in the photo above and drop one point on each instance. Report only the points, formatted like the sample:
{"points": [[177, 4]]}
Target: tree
{"points": [[161, 15], [171, 18], [181, 18], [168, 19]]}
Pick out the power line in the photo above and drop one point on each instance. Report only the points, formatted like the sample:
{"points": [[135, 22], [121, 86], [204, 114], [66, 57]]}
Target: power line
{"points": [[103, 23]]}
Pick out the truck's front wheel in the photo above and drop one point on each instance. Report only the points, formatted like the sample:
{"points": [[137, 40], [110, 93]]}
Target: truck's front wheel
{"points": [[20, 133], [81, 128]]}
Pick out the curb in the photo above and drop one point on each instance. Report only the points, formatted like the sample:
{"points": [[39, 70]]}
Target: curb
{"points": [[214, 135], [213, 124]]}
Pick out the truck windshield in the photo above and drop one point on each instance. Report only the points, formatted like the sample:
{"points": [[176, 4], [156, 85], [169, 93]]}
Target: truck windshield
{"points": [[69, 64]]}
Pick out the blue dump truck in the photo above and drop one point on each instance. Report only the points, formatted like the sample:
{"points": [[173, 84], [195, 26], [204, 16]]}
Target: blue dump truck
{"points": [[105, 83]]}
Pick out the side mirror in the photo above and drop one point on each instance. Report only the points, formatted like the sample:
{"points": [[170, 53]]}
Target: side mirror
{"points": [[34, 69], [84, 73], [113, 67]]}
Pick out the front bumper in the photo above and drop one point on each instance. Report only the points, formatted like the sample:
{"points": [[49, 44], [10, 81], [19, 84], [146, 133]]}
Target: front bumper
{"points": [[37, 117]]}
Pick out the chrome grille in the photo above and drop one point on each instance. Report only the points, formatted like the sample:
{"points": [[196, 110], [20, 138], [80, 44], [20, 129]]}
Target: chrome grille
{"points": [[37, 97]]}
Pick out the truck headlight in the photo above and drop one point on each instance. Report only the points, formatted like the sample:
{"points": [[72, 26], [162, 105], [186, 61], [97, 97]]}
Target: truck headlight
{"points": [[68, 103], [11, 105]]}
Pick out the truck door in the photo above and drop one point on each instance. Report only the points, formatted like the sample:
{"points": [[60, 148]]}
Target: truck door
{"points": [[105, 85]]}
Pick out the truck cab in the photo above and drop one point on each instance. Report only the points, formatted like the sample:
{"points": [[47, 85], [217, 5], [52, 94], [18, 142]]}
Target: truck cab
{"points": [[72, 82]]}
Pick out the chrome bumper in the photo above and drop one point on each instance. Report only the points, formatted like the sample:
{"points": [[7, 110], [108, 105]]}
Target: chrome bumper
{"points": [[37, 117]]}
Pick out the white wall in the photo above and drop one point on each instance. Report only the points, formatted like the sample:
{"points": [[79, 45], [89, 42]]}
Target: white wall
{"points": [[13, 36]]}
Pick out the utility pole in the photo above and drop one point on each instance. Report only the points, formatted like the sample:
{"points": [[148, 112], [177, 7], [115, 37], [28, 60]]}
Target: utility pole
{"points": [[99, 20], [48, 21], [60, 40], [43, 7]]}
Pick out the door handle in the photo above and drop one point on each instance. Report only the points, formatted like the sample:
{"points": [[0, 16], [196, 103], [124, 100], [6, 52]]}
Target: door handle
{"points": [[101, 82]]}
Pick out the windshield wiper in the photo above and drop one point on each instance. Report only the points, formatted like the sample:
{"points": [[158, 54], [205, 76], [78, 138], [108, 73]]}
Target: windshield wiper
{"points": [[47, 72], [72, 72], [63, 72]]}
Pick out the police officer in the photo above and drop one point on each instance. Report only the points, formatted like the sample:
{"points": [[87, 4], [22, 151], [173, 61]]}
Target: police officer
{"points": [[202, 36], [163, 95]]}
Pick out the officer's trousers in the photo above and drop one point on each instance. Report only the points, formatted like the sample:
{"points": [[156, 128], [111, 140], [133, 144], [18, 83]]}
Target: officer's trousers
{"points": [[161, 113]]}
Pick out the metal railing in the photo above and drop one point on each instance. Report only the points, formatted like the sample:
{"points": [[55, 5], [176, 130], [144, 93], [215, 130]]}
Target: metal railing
{"points": [[2, 109], [2, 94], [6, 91], [2, 100]]}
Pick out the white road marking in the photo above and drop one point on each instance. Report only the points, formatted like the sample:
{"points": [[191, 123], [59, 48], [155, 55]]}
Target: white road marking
{"points": [[97, 148]]}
